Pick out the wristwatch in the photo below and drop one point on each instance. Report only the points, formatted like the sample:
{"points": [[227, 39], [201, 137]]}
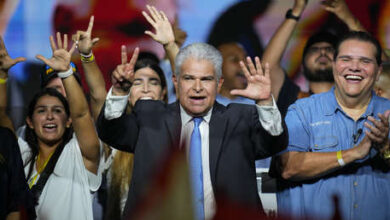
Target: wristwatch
{"points": [[289, 15]]}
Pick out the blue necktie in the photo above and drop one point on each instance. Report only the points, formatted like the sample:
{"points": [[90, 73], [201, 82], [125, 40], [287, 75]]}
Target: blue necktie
{"points": [[195, 160]]}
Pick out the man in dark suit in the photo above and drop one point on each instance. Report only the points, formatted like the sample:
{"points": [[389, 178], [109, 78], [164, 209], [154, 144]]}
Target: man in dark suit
{"points": [[231, 138]]}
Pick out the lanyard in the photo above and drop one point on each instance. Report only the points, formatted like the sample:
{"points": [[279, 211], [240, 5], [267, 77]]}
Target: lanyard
{"points": [[34, 178]]}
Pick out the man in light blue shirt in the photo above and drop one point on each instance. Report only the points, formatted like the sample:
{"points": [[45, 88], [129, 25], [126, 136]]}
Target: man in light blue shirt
{"points": [[339, 142]]}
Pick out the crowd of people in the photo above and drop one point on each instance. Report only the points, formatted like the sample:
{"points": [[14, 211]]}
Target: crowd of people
{"points": [[326, 149]]}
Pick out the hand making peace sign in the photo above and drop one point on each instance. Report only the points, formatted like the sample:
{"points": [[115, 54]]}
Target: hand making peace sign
{"points": [[123, 75]]}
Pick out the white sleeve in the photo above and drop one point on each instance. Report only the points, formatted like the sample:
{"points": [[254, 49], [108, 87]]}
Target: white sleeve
{"points": [[115, 105], [270, 118]]}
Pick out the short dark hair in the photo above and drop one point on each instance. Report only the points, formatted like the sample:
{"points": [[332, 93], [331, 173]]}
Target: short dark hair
{"points": [[322, 36], [148, 55], [361, 36]]}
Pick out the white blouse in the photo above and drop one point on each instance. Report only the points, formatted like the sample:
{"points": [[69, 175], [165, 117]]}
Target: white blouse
{"points": [[68, 191]]}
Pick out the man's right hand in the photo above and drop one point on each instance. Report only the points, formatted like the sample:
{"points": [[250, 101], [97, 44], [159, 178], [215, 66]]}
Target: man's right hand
{"points": [[360, 151], [123, 75]]}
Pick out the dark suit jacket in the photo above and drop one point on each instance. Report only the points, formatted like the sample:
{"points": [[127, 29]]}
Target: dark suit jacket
{"points": [[236, 138], [14, 191]]}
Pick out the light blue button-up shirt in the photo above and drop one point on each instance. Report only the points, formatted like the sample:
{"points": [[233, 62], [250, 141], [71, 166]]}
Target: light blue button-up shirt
{"points": [[318, 124]]}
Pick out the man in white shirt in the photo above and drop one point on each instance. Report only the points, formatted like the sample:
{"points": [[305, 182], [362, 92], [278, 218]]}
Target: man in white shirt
{"points": [[231, 138]]}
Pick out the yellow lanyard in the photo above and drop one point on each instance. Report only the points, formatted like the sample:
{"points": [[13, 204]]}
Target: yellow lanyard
{"points": [[33, 179]]}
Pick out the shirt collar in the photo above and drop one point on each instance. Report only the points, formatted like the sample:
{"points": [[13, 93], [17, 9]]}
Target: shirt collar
{"points": [[185, 118], [331, 105], [373, 102]]}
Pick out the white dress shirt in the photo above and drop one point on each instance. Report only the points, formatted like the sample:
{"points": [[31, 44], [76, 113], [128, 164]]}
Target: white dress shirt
{"points": [[269, 117]]}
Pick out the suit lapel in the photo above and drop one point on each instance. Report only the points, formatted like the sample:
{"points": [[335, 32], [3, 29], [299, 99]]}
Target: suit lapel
{"points": [[217, 128], [173, 123]]}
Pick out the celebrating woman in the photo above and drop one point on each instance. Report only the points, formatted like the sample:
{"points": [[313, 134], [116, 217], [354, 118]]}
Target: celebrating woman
{"points": [[61, 148]]}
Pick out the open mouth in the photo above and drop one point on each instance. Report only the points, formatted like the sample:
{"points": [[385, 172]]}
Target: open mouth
{"points": [[197, 99], [50, 127], [353, 78], [241, 77]]}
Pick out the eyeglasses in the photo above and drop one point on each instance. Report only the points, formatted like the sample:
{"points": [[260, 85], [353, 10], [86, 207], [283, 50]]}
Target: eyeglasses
{"points": [[327, 49]]}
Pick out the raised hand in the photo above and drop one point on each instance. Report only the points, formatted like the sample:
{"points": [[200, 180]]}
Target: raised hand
{"points": [[84, 42], [163, 28], [299, 6], [339, 8], [259, 82], [60, 61], [6, 62], [123, 75]]}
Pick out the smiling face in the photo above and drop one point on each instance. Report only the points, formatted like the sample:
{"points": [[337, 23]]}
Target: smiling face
{"points": [[232, 54], [146, 85], [318, 62], [197, 86], [355, 69], [49, 120]]}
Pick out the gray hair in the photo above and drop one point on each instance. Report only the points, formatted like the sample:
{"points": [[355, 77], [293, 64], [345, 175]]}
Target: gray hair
{"points": [[200, 51]]}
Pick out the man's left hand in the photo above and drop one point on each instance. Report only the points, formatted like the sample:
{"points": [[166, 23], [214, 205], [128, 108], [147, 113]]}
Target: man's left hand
{"points": [[379, 131], [259, 82]]}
